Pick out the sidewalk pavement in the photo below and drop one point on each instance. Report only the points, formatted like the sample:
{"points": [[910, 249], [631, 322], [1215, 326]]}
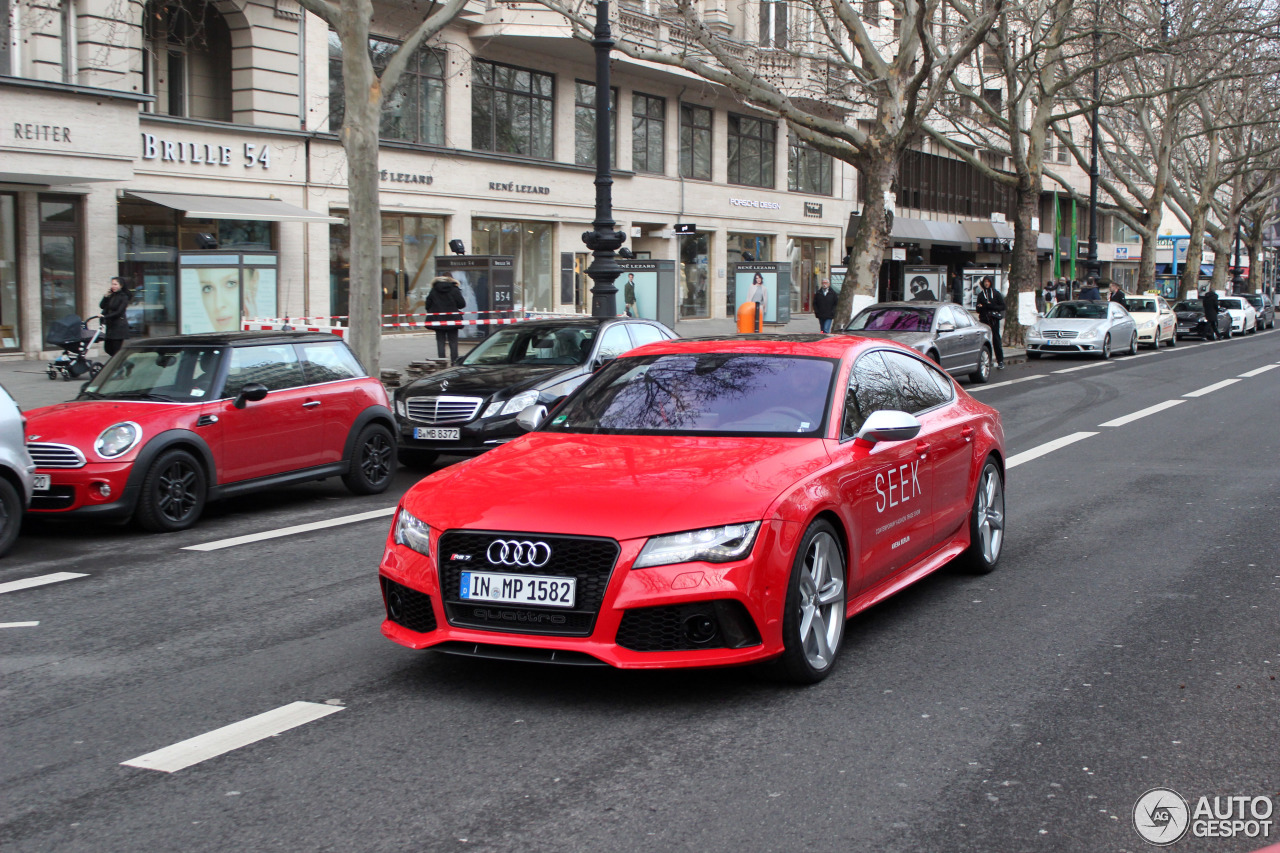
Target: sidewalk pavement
{"points": [[28, 384]]}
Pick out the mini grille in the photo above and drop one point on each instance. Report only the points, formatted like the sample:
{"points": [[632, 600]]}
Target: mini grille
{"points": [[55, 455], [590, 561], [408, 607], [443, 410]]}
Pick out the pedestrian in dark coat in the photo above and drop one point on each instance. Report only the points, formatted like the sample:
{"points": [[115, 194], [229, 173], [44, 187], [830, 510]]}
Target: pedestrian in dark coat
{"points": [[113, 309], [1117, 295], [1210, 303], [445, 301], [957, 289], [824, 306], [1090, 290], [990, 307]]}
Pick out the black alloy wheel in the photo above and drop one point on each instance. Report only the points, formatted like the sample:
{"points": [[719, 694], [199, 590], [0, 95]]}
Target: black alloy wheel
{"points": [[173, 493], [10, 515], [373, 463]]}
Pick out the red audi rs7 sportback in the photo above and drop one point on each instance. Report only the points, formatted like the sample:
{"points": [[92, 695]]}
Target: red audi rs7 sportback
{"points": [[702, 503]]}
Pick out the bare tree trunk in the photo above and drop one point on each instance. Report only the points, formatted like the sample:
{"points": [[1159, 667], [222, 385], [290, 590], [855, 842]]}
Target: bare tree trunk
{"points": [[1023, 273], [1255, 256], [1155, 210], [1189, 280], [869, 243], [1221, 260]]}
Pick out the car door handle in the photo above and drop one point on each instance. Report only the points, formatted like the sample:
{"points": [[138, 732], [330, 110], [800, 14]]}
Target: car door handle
{"points": [[922, 447], [967, 432], [311, 404]]}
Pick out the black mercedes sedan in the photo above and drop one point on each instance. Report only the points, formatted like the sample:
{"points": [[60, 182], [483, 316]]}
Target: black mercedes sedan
{"points": [[1191, 322], [472, 406]]}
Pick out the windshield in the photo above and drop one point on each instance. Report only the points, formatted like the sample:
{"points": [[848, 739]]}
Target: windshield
{"points": [[895, 319], [1255, 300], [1189, 305], [1230, 303], [703, 394], [535, 345], [1140, 306], [1078, 311], [177, 374]]}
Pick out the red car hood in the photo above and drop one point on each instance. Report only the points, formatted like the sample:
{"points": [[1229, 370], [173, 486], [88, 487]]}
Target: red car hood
{"points": [[621, 486], [80, 422]]}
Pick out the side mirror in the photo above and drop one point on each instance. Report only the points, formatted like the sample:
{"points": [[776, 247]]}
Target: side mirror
{"points": [[889, 425], [946, 327], [530, 416], [1040, 314], [250, 393]]}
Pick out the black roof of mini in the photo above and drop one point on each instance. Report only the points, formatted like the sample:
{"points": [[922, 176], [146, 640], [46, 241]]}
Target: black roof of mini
{"points": [[232, 339]]}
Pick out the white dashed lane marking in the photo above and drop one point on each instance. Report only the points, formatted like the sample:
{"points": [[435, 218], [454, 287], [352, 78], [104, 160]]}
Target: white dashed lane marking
{"points": [[973, 388], [40, 580], [1086, 366], [1209, 389], [291, 531], [1046, 448], [1252, 373], [224, 740], [1150, 410], [18, 624]]}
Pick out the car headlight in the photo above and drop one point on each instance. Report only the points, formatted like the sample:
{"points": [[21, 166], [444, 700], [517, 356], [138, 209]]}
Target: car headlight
{"points": [[402, 408], [1033, 332], [1147, 326], [412, 532], [117, 439], [514, 406], [711, 545]]}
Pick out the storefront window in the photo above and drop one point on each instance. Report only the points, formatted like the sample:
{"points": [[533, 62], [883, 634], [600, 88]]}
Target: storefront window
{"points": [[759, 246], [10, 331], [530, 243], [409, 248], [814, 265], [59, 258], [695, 275]]}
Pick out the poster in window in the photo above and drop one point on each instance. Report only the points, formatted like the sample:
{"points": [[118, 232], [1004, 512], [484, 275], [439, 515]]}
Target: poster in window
{"points": [[210, 299], [638, 289], [757, 285], [259, 293]]}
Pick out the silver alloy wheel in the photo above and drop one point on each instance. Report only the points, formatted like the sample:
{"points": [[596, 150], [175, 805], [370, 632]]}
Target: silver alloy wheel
{"points": [[990, 515], [821, 601], [984, 363]]}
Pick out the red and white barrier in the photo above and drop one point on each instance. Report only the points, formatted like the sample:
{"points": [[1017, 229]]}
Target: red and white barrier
{"points": [[326, 324]]}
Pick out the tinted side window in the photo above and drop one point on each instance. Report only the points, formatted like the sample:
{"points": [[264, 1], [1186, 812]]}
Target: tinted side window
{"points": [[329, 362], [615, 341], [275, 366], [871, 388], [643, 333], [917, 386], [962, 318]]}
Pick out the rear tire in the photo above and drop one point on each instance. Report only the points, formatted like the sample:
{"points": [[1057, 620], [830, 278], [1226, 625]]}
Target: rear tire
{"points": [[373, 461], [173, 493], [1173, 340], [10, 515], [986, 522], [1133, 344], [814, 615], [983, 373]]}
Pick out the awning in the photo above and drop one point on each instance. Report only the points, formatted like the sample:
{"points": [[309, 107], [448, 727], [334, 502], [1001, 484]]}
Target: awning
{"points": [[1044, 243], [910, 230], [948, 232], [983, 229], [229, 207]]}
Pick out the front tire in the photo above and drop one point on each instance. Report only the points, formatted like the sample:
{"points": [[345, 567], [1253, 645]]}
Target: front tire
{"points": [[173, 493], [1106, 348], [1133, 344], [373, 462], [983, 373], [813, 622], [10, 515], [986, 522]]}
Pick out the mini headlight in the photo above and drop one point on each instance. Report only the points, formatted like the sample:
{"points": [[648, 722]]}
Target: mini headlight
{"points": [[520, 402], [117, 439], [711, 545], [412, 532]]}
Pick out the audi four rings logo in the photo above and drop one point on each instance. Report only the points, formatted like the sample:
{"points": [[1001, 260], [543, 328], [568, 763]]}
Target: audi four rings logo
{"points": [[512, 552]]}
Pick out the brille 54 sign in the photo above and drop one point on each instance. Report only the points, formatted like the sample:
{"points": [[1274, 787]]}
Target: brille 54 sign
{"points": [[202, 153]]}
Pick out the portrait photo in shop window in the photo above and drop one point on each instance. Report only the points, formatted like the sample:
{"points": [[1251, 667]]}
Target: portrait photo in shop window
{"points": [[220, 299], [474, 297], [639, 293], [756, 286]]}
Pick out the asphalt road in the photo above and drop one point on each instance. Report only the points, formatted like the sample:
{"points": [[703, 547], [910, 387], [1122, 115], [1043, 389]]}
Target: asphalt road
{"points": [[1128, 640]]}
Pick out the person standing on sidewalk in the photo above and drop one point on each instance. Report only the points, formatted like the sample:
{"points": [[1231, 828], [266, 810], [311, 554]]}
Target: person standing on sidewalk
{"points": [[1090, 292], [1117, 295], [445, 299], [1210, 303], [990, 306], [824, 306], [113, 310]]}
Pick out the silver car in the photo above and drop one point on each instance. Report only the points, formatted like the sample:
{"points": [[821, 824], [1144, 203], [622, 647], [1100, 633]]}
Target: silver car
{"points": [[950, 335], [17, 471], [1092, 327]]}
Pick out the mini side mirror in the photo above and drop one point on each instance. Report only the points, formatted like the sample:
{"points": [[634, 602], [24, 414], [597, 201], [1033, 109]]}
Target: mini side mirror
{"points": [[946, 327], [889, 425], [530, 416], [250, 393]]}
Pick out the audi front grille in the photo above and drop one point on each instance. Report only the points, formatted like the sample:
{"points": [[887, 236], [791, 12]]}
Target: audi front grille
{"points": [[443, 410], [47, 455], [589, 560]]}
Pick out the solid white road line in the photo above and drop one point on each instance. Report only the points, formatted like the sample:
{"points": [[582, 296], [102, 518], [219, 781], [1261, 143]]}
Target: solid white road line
{"points": [[41, 580], [1255, 372], [1150, 410], [1086, 366], [973, 388], [1209, 389], [18, 624], [234, 736], [1046, 448], [290, 531]]}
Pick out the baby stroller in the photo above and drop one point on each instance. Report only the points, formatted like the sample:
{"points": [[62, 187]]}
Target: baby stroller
{"points": [[75, 337]]}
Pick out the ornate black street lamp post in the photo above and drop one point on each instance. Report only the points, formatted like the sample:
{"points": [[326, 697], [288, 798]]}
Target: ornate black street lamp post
{"points": [[1092, 266], [604, 240]]}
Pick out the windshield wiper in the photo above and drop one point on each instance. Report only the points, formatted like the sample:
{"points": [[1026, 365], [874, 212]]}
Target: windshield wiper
{"points": [[144, 395], [92, 395]]}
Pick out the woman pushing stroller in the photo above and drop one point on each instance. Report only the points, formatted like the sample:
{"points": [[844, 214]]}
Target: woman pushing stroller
{"points": [[115, 320]]}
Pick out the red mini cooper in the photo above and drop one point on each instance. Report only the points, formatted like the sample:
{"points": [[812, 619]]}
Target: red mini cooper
{"points": [[703, 503], [171, 423]]}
